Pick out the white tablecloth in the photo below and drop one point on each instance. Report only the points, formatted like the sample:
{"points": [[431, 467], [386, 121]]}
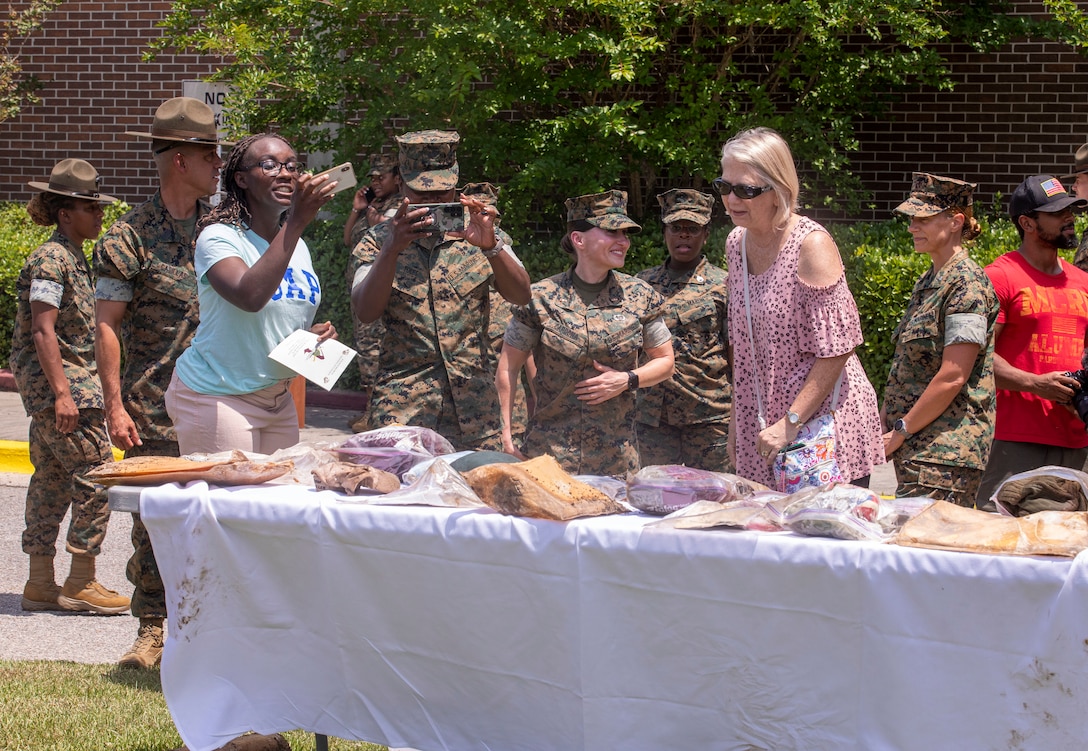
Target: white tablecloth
{"points": [[472, 631]]}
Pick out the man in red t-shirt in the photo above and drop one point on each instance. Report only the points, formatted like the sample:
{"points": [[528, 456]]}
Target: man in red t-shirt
{"points": [[1040, 336]]}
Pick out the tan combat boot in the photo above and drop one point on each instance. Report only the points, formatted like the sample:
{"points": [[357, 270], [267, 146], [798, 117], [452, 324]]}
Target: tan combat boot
{"points": [[146, 652], [41, 591], [81, 592]]}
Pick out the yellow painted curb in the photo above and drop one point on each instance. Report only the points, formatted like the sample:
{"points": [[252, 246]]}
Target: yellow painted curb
{"points": [[15, 457]]}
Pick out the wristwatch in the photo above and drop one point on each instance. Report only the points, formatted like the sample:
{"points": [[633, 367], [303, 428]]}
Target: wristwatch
{"points": [[499, 247], [900, 427], [632, 380], [793, 419]]}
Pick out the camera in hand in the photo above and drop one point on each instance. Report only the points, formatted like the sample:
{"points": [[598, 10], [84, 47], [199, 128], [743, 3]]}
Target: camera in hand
{"points": [[1080, 395]]}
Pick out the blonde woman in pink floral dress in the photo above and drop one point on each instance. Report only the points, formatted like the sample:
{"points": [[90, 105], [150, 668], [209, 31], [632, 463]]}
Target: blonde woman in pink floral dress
{"points": [[804, 322]]}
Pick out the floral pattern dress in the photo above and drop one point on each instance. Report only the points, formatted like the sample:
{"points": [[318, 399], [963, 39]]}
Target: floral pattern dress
{"points": [[793, 324]]}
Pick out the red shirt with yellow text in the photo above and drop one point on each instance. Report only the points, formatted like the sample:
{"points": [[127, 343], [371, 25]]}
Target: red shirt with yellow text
{"points": [[1044, 318]]}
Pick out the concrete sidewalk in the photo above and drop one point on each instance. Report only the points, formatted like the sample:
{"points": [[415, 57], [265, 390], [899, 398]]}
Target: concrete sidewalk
{"points": [[74, 636]]}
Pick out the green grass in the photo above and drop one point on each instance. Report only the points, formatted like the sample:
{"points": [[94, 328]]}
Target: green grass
{"points": [[66, 706]]}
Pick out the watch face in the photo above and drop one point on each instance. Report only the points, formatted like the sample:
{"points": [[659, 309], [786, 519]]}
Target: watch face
{"points": [[793, 418]]}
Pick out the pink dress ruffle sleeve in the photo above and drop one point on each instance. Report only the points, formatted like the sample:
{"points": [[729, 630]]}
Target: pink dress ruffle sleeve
{"points": [[793, 324]]}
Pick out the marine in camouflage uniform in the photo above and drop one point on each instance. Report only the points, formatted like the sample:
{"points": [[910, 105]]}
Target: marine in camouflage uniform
{"points": [[61, 278], [436, 366], [944, 459], [52, 360], [368, 336], [685, 419], [566, 334], [144, 264]]}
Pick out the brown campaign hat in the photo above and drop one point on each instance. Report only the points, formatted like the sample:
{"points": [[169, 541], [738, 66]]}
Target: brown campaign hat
{"points": [[1080, 161], [606, 210], [185, 120], [75, 178]]}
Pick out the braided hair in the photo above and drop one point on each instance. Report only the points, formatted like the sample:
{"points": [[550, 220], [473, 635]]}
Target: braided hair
{"points": [[234, 208]]}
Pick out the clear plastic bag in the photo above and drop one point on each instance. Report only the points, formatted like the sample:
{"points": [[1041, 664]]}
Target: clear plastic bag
{"points": [[664, 488], [845, 512], [394, 448], [439, 485]]}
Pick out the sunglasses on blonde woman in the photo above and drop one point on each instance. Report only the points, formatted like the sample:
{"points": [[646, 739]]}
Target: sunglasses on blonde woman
{"points": [[747, 192]]}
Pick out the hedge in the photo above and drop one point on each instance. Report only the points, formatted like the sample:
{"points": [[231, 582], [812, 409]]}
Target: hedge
{"points": [[881, 268]]}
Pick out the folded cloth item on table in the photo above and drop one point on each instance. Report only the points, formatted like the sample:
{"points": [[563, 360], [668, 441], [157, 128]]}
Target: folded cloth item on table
{"points": [[354, 479], [539, 488], [1042, 493], [946, 526]]}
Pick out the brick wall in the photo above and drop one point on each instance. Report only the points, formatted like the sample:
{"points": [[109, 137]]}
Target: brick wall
{"points": [[89, 56], [1017, 112]]}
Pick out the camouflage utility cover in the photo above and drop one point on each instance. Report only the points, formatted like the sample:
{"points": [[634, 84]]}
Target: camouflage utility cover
{"points": [[932, 194], [606, 210], [428, 160]]}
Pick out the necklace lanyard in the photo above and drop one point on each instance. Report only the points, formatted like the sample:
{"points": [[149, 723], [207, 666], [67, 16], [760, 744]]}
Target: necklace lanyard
{"points": [[760, 417]]}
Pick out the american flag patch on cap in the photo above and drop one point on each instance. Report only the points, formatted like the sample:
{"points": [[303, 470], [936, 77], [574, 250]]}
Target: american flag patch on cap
{"points": [[1052, 187]]}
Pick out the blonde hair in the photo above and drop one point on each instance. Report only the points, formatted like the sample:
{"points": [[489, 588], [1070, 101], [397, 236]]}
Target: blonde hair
{"points": [[766, 152]]}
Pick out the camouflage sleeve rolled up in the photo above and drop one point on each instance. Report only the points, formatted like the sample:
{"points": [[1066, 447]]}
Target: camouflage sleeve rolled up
{"points": [[58, 269], [151, 252], [962, 434]]}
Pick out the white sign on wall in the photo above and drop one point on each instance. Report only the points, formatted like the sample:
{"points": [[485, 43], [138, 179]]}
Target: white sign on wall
{"points": [[212, 94]]}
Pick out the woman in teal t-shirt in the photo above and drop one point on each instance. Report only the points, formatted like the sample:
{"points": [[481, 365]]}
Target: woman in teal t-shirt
{"points": [[256, 285]]}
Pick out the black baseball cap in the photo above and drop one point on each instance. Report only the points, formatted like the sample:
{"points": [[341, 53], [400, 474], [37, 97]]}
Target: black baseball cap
{"points": [[1042, 193]]}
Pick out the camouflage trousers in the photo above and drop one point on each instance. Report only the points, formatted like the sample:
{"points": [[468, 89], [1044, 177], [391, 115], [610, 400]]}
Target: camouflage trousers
{"points": [[704, 446], [368, 343], [60, 461], [450, 429], [941, 482], [148, 595]]}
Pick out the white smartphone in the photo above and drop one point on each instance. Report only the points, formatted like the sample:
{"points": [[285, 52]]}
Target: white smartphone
{"points": [[343, 174]]}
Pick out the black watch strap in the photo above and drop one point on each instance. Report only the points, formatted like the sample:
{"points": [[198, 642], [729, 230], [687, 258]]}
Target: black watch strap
{"points": [[632, 380]]}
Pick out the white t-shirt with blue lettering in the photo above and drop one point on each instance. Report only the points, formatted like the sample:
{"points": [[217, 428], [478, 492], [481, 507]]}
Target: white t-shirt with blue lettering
{"points": [[229, 353]]}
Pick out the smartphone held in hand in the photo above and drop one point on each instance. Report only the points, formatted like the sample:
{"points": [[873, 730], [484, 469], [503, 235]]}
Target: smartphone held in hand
{"points": [[445, 217], [343, 174]]}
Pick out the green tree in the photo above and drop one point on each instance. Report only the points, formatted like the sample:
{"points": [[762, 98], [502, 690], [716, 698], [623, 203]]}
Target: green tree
{"points": [[17, 88], [558, 99]]}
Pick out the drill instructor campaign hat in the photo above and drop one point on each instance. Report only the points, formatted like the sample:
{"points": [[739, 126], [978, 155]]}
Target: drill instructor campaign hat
{"points": [[1080, 162], [932, 194], [428, 160], [1043, 193], [685, 204], [606, 210], [184, 120], [75, 178]]}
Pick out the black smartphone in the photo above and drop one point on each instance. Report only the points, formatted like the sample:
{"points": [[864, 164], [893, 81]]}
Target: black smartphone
{"points": [[369, 194], [445, 217]]}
